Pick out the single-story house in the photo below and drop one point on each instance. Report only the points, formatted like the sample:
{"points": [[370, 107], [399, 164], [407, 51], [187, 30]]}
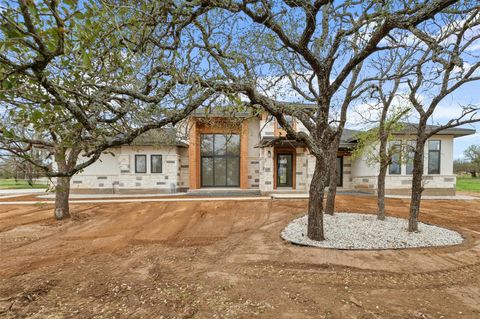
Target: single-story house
{"points": [[248, 152]]}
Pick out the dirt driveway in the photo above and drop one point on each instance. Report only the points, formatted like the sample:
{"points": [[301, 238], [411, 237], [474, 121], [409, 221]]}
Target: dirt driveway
{"points": [[225, 259]]}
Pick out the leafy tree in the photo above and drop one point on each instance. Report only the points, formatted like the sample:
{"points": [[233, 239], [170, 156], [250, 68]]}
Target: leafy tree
{"points": [[316, 47], [77, 79], [444, 63], [472, 155]]}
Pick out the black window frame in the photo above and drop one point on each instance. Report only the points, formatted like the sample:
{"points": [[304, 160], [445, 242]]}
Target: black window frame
{"points": [[398, 153], [138, 156], [213, 156], [439, 151], [340, 170], [151, 163]]}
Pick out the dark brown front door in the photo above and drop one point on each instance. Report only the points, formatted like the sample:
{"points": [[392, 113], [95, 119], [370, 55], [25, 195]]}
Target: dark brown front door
{"points": [[284, 170]]}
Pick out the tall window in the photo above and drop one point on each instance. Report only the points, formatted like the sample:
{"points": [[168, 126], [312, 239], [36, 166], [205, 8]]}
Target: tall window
{"points": [[434, 157], [220, 160], [156, 163], [140, 163], [340, 171], [411, 145], [395, 167]]}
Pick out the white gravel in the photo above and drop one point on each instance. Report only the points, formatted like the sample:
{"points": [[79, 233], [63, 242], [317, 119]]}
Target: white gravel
{"points": [[361, 231]]}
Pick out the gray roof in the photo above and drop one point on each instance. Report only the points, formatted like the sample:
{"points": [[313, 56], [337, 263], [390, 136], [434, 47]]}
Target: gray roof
{"points": [[411, 129], [160, 137], [348, 140]]}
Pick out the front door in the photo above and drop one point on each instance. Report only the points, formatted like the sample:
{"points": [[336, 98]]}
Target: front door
{"points": [[284, 170]]}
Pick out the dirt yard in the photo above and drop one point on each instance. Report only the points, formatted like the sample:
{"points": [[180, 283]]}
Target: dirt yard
{"points": [[225, 259]]}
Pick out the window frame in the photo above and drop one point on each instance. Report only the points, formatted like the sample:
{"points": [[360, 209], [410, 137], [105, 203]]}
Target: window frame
{"points": [[439, 151], [138, 156], [151, 163], [228, 155], [340, 170], [399, 153]]}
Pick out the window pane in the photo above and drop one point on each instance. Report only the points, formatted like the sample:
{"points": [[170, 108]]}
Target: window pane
{"points": [[434, 145], [220, 171], [220, 142], [207, 171], [410, 154], [395, 165], [233, 144], [433, 162], [433, 157], [339, 171], [140, 163], [156, 163], [206, 144], [233, 171]]}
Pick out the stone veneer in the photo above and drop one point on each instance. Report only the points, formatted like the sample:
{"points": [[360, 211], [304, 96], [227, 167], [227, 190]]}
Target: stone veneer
{"points": [[402, 184], [129, 182]]}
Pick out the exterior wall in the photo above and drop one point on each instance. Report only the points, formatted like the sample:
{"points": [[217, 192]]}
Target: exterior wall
{"points": [[365, 176], [114, 172], [266, 169]]}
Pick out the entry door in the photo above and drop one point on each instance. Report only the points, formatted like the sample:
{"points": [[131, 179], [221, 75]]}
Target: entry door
{"points": [[284, 170]]}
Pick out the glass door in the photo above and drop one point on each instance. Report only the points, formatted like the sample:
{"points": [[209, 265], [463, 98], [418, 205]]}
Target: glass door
{"points": [[284, 170]]}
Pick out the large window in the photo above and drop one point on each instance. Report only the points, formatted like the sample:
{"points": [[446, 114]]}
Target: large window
{"points": [[140, 163], [220, 160], [411, 145], [395, 167], [156, 163], [434, 157]]}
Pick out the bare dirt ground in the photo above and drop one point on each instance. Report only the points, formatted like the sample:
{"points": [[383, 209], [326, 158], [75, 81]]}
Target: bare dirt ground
{"points": [[225, 259]]}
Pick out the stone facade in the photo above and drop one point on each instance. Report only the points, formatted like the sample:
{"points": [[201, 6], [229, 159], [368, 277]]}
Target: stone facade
{"points": [[115, 171]]}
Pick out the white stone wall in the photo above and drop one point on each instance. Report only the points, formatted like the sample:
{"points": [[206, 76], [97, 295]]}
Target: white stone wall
{"points": [[115, 171], [364, 176], [266, 169]]}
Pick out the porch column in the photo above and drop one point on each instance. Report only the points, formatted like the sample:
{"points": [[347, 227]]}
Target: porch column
{"points": [[193, 156]]}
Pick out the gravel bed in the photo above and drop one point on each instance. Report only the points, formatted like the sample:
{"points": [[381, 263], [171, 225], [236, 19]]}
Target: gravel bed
{"points": [[361, 231]]}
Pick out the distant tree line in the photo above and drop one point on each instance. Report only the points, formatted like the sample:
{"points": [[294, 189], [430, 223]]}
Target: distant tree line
{"points": [[470, 164]]}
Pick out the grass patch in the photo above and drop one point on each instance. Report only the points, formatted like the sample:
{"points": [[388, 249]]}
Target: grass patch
{"points": [[468, 184], [19, 184]]}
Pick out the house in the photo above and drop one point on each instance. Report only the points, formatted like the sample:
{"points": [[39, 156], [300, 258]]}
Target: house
{"points": [[241, 151]]}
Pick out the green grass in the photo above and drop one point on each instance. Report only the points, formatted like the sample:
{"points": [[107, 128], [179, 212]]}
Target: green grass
{"points": [[468, 184], [20, 184]]}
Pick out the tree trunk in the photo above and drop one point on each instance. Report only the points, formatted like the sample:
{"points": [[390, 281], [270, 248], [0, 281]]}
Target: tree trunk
{"points": [[384, 160], [315, 203], [332, 184], [417, 187], [474, 174], [62, 193], [381, 192]]}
